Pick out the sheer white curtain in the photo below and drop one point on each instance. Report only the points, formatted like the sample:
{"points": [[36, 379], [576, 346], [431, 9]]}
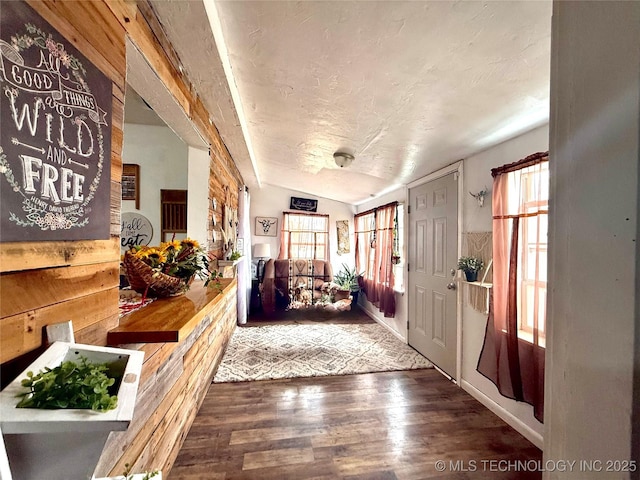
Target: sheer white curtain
{"points": [[244, 267]]}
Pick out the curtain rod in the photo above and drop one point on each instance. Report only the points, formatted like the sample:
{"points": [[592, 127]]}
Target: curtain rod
{"points": [[302, 212], [532, 159], [371, 210]]}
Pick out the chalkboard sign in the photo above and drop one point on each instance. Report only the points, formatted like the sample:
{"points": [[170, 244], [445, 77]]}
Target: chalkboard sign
{"points": [[306, 204], [55, 140]]}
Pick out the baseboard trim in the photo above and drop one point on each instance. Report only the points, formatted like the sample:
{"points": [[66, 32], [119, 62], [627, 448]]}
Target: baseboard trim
{"points": [[377, 320], [513, 421]]}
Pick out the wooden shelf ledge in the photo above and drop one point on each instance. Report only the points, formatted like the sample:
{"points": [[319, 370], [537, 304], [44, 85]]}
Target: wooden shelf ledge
{"points": [[230, 263], [169, 319], [479, 284]]}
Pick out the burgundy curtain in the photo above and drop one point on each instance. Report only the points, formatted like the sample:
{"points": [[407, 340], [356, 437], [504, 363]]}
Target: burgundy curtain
{"points": [[512, 356], [374, 247]]}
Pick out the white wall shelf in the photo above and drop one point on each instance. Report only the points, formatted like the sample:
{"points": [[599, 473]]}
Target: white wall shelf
{"points": [[479, 284]]}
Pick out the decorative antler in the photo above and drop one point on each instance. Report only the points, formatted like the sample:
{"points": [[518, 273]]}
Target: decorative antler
{"points": [[480, 196]]}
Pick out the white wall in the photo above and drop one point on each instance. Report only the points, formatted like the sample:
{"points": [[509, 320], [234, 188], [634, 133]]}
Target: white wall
{"points": [[270, 201], [162, 157], [397, 324], [198, 196], [594, 303], [477, 175]]}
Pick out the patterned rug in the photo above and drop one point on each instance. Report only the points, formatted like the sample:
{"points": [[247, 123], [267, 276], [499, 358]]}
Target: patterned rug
{"points": [[302, 350]]}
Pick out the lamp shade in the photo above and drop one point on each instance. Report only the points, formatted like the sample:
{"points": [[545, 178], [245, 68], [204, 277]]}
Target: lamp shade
{"points": [[262, 250]]}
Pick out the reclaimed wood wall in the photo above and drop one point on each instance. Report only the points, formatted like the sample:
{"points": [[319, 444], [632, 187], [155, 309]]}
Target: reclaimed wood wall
{"points": [[47, 282], [174, 381]]}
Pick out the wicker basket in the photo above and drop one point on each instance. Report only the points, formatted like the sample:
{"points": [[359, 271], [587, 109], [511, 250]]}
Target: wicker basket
{"points": [[142, 277]]}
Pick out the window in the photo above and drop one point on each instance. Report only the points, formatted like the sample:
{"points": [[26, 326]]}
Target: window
{"points": [[173, 213], [376, 231], [365, 227], [532, 280], [305, 236], [365, 230], [398, 241], [513, 354]]}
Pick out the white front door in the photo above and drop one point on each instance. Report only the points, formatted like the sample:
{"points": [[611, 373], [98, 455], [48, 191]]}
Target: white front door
{"points": [[433, 247]]}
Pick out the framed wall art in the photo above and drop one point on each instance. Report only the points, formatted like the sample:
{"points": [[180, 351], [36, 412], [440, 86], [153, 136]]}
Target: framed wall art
{"points": [[131, 183], [266, 226], [342, 227], [305, 204], [55, 140]]}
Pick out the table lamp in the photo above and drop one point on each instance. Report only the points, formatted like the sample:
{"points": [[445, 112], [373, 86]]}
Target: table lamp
{"points": [[261, 251]]}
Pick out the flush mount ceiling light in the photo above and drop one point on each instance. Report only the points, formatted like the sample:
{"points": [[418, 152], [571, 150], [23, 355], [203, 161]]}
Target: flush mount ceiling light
{"points": [[343, 159]]}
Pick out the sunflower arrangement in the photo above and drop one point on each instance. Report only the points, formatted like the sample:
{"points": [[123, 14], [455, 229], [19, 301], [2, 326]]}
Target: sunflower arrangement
{"points": [[180, 258], [166, 269]]}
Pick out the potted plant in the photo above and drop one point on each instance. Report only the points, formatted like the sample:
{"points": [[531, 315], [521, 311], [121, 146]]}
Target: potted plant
{"points": [[64, 443], [347, 279], [470, 266]]}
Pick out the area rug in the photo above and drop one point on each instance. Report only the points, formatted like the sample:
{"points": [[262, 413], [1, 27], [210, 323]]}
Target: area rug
{"points": [[302, 350]]}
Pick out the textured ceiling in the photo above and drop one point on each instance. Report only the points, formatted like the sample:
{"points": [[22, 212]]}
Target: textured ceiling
{"points": [[406, 87]]}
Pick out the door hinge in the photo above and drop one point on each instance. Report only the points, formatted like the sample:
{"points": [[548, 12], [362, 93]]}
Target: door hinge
{"points": [[408, 267], [456, 175], [408, 209], [408, 324]]}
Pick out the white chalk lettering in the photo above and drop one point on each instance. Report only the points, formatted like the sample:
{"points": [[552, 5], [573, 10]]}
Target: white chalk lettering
{"points": [[48, 183], [29, 78], [61, 141], [31, 120], [29, 173], [83, 126], [65, 185]]}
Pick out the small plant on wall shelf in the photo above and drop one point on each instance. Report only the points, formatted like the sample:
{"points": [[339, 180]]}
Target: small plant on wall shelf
{"points": [[470, 266]]}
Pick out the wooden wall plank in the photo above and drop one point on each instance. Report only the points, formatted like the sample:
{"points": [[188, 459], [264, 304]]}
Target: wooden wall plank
{"points": [[103, 46], [96, 333], [54, 285], [18, 256], [23, 332]]}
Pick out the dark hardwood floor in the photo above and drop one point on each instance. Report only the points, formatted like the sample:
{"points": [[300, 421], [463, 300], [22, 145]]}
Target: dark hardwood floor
{"points": [[391, 425]]}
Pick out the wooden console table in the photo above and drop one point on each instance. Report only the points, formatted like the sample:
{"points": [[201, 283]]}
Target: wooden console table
{"points": [[169, 319]]}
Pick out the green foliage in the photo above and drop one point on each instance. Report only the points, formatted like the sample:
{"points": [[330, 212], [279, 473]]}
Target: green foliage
{"points": [[70, 385], [129, 476], [470, 264], [235, 255], [214, 280], [347, 278]]}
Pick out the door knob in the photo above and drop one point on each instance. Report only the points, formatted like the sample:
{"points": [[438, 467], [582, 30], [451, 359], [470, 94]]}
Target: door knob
{"points": [[451, 286]]}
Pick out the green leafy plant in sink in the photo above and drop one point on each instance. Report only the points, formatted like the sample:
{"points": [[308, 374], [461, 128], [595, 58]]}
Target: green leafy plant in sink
{"points": [[70, 385]]}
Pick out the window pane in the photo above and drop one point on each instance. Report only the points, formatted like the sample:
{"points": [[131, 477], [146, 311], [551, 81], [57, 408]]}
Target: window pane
{"points": [[308, 235]]}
